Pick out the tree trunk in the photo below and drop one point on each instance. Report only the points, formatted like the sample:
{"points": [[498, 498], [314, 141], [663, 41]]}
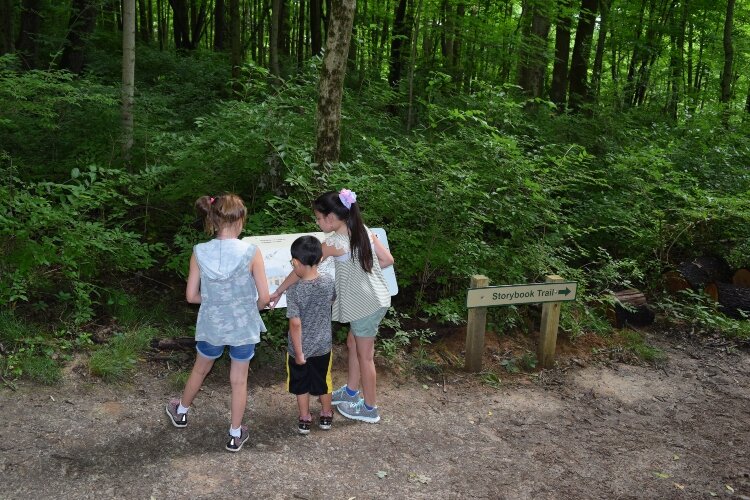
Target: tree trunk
{"points": [[26, 46], [235, 44], [180, 24], [316, 36], [596, 74], [676, 60], [455, 63], [558, 90], [301, 24], [726, 75], [331, 86], [81, 25], [397, 42], [533, 54], [198, 23], [145, 28], [274, 38], [579, 62], [6, 27], [220, 25], [128, 77], [747, 101]]}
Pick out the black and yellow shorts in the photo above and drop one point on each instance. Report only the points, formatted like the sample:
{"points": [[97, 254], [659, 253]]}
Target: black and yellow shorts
{"points": [[314, 377]]}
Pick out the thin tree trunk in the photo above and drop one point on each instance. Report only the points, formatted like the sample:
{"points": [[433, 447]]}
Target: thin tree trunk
{"points": [[579, 61], [144, 28], [412, 63], [81, 25], [316, 36], [128, 77], [235, 44], [397, 42], [6, 27], [726, 75], [274, 41], [220, 25], [747, 101], [331, 86], [596, 73], [301, 23], [558, 90], [533, 54], [180, 24], [676, 60]]}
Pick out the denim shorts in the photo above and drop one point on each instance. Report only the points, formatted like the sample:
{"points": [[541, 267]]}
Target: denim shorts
{"points": [[368, 326], [236, 352]]}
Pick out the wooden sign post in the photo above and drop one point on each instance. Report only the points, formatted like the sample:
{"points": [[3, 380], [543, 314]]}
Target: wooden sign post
{"points": [[552, 292], [475, 329]]}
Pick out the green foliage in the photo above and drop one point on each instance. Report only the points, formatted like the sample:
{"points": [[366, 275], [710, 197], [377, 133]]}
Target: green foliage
{"points": [[393, 345], [60, 239], [699, 314], [117, 359]]}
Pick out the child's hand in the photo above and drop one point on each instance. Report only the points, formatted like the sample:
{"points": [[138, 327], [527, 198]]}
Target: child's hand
{"points": [[300, 360], [274, 299]]}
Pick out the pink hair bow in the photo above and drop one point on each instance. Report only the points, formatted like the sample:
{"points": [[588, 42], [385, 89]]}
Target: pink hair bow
{"points": [[347, 197]]}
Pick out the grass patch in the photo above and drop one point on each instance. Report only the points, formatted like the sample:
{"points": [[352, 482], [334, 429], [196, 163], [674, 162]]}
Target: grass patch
{"points": [[116, 361], [40, 368], [636, 344]]}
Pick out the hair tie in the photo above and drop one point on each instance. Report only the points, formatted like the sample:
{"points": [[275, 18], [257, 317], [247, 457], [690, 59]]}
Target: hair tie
{"points": [[347, 197], [212, 200]]}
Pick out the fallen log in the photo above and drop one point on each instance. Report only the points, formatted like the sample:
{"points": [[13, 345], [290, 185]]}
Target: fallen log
{"points": [[732, 299], [630, 307], [174, 343], [697, 273], [741, 277]]}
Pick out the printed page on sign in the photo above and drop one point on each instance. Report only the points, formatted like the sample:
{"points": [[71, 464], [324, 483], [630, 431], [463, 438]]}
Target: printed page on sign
{"points": [[277, 258]]}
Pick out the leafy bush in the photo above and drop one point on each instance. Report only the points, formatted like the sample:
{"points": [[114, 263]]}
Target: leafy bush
{"points": [[61, 243]]}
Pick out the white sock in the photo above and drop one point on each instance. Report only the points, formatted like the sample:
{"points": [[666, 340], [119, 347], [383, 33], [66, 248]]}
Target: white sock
{"points": [[181, 409], [235, 432]]}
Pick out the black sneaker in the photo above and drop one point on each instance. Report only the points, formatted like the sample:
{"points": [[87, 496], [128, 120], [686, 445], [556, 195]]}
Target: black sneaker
{"points": [[178, 419], [235, 443], [303, 426], [326, 421]]}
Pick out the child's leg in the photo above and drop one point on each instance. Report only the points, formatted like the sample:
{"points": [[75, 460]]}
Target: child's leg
{"points": [[238, 380], [365, 351], [200, 369], [325, 402], [303, 404], [353, 372]]}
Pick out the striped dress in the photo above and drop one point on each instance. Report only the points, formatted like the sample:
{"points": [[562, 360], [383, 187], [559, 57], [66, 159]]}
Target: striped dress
{"points": [[358, 293]]}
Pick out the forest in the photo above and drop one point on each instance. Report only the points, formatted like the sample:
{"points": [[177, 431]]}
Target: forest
{"points": [[602, 140]]}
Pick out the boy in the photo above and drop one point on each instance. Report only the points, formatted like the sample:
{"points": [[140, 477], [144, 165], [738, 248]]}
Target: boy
{"points": [[308, 360]]}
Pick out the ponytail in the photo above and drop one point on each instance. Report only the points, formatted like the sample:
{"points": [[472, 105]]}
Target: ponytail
{"points": [[359, 240], [218, 212]]}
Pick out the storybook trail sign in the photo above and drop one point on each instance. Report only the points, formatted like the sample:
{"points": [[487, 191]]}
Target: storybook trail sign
{"points": [[276, 256], [551, 293]]}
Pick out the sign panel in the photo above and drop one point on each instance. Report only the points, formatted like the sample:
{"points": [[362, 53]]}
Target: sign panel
{"points": [[277, 256], [563, 291]]}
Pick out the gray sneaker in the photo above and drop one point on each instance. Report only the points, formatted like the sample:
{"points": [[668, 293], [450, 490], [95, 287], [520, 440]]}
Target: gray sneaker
{"points": [[341, 396], [178, 419], [235, 443], [357, 411]]}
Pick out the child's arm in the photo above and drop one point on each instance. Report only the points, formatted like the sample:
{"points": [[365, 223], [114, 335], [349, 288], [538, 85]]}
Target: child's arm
{"points": [[289, 281], [382, 253], [258, 270], [193, 289], [295, 333]]}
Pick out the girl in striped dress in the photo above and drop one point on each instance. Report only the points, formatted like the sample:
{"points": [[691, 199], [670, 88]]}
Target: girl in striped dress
{"points": [[362, 297]]}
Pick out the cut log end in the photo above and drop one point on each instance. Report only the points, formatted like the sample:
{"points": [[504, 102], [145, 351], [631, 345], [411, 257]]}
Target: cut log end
{"points": [[630, 308], [741, 277]]}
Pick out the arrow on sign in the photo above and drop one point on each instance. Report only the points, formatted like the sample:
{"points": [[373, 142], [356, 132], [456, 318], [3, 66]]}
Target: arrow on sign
{"points": [[564, 292]]}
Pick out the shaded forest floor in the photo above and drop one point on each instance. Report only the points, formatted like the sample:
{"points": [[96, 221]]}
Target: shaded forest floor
{"points": [[588, 429]]}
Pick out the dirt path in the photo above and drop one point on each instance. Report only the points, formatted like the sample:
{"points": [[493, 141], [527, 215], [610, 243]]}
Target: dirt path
{"points": [[595, 432]]}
